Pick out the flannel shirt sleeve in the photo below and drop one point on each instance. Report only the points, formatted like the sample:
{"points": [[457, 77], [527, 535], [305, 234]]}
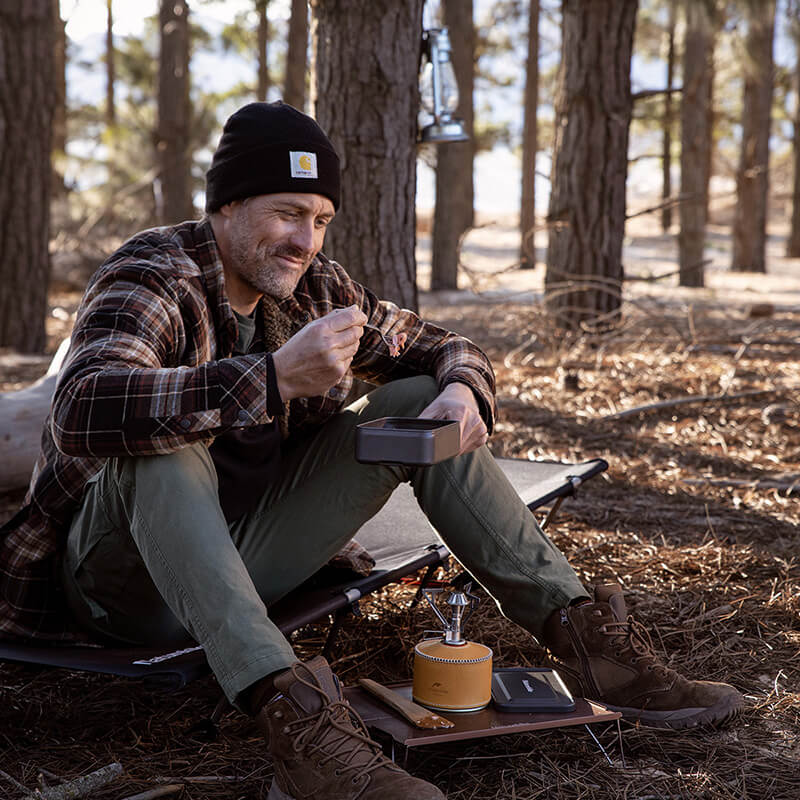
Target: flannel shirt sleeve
{"points": [[429, 349], [123, 389]]}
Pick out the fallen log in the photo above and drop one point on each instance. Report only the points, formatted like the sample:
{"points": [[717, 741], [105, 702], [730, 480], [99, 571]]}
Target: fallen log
{"points": [[22, 415]]}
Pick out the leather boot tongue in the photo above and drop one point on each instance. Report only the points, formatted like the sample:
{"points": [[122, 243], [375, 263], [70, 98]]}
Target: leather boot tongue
{"points": [[316, 672], [611, 593]]}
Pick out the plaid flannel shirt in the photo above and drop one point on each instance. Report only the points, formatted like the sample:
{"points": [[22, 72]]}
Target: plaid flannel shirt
{"points": [[150, 370]]}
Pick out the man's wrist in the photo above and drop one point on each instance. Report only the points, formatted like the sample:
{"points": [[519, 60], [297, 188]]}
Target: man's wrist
{"points": [[274, 396], [461, 390], [464, 390], [283, 386]]}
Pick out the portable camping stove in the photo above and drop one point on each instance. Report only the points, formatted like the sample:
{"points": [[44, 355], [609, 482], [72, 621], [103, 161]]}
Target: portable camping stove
{"points": [[451, 673]]}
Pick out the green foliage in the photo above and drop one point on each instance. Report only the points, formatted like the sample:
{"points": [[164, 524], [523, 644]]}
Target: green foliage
{"points": [[652, 23], [111, 169], [137, 63], [240, 35]]}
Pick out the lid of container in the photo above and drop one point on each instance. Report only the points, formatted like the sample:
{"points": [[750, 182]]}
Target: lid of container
{"points": [[438, 650]]}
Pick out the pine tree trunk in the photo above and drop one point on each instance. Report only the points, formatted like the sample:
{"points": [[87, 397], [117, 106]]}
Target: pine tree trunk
{"points": [[27, 96], [111, 107], [711, 131], [60, 104], [752, 179], [263, 53], [454, 210], [584, 276], [793, 244], [695, 139], [371, 118], [666, 159], [174, 115], [294, 92], [530, 143]]}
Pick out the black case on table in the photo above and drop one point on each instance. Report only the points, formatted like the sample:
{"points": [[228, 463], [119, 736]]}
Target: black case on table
{"points": [[530, 689]]}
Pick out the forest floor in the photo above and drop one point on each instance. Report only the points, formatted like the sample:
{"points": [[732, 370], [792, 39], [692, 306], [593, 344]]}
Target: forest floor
{"points": [[697, 518]]}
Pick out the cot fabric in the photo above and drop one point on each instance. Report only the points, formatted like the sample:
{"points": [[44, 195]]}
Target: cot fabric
{"points": [[150, 370]]}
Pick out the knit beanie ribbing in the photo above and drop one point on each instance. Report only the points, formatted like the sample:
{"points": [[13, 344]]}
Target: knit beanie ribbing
{"points": [[268, 148]]}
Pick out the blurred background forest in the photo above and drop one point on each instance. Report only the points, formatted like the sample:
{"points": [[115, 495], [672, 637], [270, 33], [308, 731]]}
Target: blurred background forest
{"points": [[112, 111], [621, 234]]}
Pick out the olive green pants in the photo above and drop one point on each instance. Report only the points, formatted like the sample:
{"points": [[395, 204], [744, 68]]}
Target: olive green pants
{"points": [[150, 558]]}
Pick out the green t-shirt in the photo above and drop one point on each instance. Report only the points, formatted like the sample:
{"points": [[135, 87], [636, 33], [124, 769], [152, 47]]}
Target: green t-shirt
{"points": [[247, 330]]}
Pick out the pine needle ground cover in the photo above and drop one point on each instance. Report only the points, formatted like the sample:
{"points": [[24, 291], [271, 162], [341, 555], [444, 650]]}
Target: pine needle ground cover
{"points": [[698, 518]]}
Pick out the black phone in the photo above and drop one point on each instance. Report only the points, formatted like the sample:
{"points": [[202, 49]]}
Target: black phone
{"points": [[530, 689]]}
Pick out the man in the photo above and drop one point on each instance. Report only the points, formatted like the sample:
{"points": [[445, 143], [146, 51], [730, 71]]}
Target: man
{"points": [[198, 464]]}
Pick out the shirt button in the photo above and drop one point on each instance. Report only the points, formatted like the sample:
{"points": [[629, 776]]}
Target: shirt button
{"points": [[186, 424], [242, 415]]}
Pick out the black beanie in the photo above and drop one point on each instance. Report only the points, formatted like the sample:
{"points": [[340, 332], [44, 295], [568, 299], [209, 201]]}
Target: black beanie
{"points": [[268, 148]]}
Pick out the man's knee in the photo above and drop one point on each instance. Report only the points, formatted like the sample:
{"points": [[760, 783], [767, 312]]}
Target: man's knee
{"points": [[191, 464], [406, 397]]}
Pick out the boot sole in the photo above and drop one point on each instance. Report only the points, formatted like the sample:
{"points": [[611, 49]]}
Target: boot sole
{"points": [[682, 718], [275, 792]]}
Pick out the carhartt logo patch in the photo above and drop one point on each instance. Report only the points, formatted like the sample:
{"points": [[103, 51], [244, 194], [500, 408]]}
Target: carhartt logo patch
{"points": [[303, 165]]}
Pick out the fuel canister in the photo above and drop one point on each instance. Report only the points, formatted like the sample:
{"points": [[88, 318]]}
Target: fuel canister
{"points": [[452, 677]]}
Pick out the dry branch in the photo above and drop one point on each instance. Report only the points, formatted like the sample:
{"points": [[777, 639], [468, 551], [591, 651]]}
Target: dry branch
{"points": [[675, 200], [790, 487], [683, 401], [200, 779], [664, 275], [655, 92], [80, 787], [13, 781], [159, 791]]}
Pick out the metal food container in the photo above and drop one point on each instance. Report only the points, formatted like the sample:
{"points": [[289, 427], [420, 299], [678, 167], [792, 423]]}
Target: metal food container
{"points": [[407, 440]]}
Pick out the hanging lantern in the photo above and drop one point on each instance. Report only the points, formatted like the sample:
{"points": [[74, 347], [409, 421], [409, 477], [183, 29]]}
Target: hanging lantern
{"points": [[439, 90]]}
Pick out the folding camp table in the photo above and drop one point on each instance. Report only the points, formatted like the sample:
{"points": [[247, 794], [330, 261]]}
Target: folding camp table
{"points": [[399, 538]]}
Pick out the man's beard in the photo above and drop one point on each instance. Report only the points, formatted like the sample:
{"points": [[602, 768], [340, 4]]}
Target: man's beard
{"points": [[254, 264]]}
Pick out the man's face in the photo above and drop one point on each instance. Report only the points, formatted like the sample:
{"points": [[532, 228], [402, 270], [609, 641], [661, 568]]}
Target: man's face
{"points": [[274, 237]]}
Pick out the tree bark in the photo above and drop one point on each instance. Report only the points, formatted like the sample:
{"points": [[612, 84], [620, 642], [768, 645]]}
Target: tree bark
{"points": [[583, 283], [695, 138], [530, 142], [27, 97], [174, 115], [793, 243], [263, 49], [666, 160], [294, 92], [111, 106], [752, 179], [711, 132], [455, 192], [59, 146], [365, 96]]}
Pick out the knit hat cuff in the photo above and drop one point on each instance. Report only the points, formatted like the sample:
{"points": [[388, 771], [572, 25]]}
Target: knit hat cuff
{"points": [[271, 168]]}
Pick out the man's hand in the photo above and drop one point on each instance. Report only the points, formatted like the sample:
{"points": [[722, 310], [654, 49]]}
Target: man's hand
{"points": [[458, 402], [318, 356]]}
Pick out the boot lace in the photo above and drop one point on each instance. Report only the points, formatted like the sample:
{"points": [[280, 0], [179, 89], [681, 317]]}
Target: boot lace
{"points": [[631, 636], [335, 733]]}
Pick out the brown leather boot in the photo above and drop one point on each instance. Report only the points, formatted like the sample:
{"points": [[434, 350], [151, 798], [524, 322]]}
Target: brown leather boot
{"points": [[603, 654], [320, 748]]}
